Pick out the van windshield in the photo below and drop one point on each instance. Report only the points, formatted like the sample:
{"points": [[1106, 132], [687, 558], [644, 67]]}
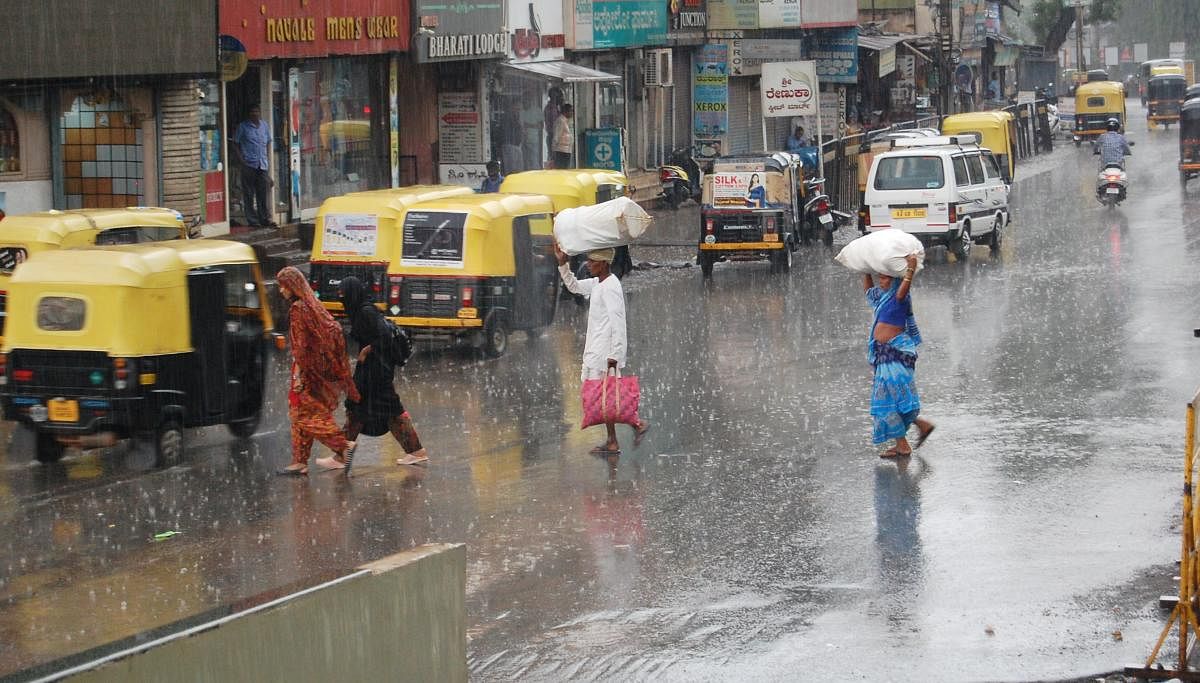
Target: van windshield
{"points": [[433, 239], [909, 173]]}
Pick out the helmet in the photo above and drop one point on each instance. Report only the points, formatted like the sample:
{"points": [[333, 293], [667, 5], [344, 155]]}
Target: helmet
{"points": [[1113, 125]]}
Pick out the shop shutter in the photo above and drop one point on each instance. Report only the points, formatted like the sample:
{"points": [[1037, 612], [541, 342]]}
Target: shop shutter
{"points": [[680, 110], [739, 139]]}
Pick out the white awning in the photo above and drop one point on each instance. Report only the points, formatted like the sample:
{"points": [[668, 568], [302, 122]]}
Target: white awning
{"points": [[564, 71]]}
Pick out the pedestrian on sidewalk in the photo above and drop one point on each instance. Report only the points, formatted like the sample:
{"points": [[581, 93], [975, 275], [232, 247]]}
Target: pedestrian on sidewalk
{"points": [[252, 146], [550, 116], [892, 351], [605, 345], [564, 137], [320, 372], [379, 409]]}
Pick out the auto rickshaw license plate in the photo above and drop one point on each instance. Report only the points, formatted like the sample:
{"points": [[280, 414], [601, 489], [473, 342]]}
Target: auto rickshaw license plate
{"points": [[908, 213], [63, 411]]}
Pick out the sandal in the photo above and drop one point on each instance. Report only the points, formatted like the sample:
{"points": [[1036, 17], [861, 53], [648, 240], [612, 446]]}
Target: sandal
{"points": [[603, 449], [289, 472], [413, 459], [895, 453], [924, 435]]}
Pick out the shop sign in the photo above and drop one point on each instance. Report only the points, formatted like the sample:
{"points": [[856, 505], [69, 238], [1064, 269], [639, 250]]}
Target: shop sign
{"points": [[779, 13], [467, 175], [732, 14], [537, 31], [1177, 50], [789, 89], [828, 13], [233, 58], [836, 53], [906, 68], [460, 130], [887, 61], [463, 29], [710, 99], [214, 197], [688, 15], [746, 57], [1141, 52], [293, 129], [286, 28], [991, 18], [604, 24], [603, 148]]}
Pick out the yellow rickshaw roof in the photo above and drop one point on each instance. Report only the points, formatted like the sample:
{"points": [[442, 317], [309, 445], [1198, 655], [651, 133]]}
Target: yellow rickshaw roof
{"points": [[564, 178], [151, 265], [974, 118], [492, 205], [1100, 88], [52, 227], [389, 200]]}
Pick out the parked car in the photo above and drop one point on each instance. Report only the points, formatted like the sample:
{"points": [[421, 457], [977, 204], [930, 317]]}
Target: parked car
{"points": [[945, 191]]}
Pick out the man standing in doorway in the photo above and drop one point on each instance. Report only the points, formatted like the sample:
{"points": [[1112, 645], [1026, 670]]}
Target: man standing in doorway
{"points": [[252, 143], [564, 137], [550, 115]]}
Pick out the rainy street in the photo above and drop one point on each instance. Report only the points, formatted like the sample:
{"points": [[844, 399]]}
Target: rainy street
{"points": [[753, 534]]}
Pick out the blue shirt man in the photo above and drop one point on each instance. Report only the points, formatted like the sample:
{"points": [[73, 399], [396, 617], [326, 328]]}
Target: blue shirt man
{"points": [[252, 142], [492, 182], [253, 138], [1113, 148], [797, 140]]}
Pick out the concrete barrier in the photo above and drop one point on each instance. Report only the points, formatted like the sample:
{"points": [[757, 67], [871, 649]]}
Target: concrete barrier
{"points": [[402, 618]]}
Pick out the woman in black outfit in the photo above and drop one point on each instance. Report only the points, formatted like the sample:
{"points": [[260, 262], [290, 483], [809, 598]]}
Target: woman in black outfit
{"points": [[380, 410]]}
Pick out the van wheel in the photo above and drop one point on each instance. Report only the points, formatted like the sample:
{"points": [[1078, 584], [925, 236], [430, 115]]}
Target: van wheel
{"points": [[706, 264], [962, 246], [49, 448], [168, 443], [996, 236], [495, 337], [245, 427]]}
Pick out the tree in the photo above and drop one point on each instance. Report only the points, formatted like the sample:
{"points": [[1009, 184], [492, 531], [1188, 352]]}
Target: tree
{"points": [[1052, 19]]}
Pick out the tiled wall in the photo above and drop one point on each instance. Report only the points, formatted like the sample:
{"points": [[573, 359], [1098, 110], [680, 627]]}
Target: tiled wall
{"points": [[102, 155]]}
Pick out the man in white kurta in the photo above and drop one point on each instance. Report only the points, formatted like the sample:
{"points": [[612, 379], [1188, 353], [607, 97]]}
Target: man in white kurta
{"points": [[606, 345]]}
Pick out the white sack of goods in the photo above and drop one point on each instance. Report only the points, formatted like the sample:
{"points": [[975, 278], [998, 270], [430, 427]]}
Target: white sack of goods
{"points": [[882, 252], [610, 224]]}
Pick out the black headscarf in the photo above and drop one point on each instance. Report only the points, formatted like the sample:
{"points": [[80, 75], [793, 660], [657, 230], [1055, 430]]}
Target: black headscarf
{"points": [[353, 295]]}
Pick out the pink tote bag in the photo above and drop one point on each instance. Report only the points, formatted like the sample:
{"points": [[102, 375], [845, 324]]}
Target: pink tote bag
{"points": [[612, 399]]}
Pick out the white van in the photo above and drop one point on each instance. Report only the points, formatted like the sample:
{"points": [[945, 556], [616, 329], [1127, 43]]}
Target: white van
{"points": [[943, 190]]}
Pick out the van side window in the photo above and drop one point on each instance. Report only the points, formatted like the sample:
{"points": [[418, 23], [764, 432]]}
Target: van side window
{"points": [[976, 169], [990, 167], [961, 178]]}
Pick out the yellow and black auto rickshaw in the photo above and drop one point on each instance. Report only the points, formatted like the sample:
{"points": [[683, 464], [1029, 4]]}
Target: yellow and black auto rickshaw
{"points": [[995, 131], [572, 188], [1095, 104], [474, 268], [114, 342], [752, 209], [24, 235], [1189, 142], [1164, 95], [357, 233]]}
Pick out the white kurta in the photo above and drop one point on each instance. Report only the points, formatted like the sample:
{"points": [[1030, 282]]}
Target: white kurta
{"points": [[606, 321]]}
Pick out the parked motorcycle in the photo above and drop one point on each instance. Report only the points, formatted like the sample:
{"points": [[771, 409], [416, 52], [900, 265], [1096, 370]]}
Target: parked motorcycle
{"points": [[681, 179], [820, 218]]}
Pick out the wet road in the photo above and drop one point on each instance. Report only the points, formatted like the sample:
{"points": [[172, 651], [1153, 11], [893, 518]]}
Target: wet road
{"points": [[753, 534]]}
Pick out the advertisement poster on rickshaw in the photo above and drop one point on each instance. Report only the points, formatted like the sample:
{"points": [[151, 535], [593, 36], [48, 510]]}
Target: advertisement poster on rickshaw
{"points": [[743, 190], [433, 239], [710, 97], [349, 234]]}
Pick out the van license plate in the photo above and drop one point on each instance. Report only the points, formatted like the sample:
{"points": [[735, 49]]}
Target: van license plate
{"points": [[1112, 190], [908, 213], [63, 411]]}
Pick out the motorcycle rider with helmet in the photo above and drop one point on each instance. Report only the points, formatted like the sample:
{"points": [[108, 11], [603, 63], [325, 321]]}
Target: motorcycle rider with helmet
{"points": [[1112, 146]]}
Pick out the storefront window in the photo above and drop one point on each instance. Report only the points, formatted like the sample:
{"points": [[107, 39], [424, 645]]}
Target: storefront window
{"points": [[10, 143], [610, 97], [210, 126], [102, 153], [518, 125], [343, 133]]}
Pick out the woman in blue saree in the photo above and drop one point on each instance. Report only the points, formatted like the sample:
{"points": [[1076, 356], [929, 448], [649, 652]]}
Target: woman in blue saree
{"points": [[892, 351]]}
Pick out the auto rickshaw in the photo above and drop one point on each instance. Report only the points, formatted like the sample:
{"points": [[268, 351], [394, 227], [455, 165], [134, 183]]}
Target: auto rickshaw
{"points": [[1164, 95], [475, 267], [1189, 142], [995, 130], [1095, 104], [572, 188], [751, 209], [1192, 92], [115, 342], [1157, 67], [356, 234], [24, 235]]}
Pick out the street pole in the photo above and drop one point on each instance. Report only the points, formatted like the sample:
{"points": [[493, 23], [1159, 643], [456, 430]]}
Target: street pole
{"points": [[1080, 66], [946, 35]]}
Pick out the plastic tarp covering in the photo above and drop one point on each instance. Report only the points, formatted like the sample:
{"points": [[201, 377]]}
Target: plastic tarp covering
{"points": [[602, 226], [565, 72]]}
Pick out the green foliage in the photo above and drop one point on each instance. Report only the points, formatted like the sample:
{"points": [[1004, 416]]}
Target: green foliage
{"points": [[1052, 19]]}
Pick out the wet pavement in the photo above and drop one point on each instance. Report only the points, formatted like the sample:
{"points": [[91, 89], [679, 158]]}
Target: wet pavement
{"points": [[753, 534]]}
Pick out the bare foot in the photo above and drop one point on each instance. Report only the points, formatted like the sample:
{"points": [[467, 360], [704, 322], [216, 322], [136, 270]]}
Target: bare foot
{"points": [[327, 464]]}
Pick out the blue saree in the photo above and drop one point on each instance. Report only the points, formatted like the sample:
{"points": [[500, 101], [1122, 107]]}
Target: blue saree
{"points": [[894, 401]]}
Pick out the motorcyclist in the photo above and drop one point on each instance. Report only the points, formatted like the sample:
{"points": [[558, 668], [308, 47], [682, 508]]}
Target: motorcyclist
{"points": [[1112, 146]]}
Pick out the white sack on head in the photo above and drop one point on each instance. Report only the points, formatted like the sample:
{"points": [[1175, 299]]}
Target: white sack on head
{"points": [[609, 224], [882, 252]]}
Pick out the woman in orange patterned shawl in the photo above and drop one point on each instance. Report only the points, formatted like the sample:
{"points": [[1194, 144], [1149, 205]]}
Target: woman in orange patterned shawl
{"points": [[320, 372]]}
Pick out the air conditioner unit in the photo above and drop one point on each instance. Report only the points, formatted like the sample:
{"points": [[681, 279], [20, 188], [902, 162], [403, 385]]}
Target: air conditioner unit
{"points": [[659, 70]]}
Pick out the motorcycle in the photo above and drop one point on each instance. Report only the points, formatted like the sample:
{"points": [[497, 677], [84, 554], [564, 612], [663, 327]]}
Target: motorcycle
{"points": [[1112, 184], [819, 214], [681, 179]]}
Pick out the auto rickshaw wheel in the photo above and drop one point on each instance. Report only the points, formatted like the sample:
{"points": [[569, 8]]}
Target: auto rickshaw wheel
{"points": [[245, 427], [706, 264], [49, 448], [962, 246], [495, 336], [168, 443], [781, 259], [1078, 143], [1183, 178]]}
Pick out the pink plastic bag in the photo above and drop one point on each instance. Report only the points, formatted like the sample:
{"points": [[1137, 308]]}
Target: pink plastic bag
{"points": [[612, 399]]}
